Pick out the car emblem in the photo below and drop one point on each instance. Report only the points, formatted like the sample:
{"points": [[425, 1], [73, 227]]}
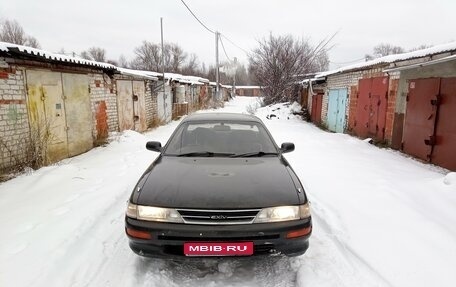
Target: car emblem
{"points": [[218, 217]]}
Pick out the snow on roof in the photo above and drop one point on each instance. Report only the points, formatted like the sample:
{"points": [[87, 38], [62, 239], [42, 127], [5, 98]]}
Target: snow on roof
{"points": [[192, 80], [52, 56], [417, 65], [438, 49], [137, 73], [248, 87], [3, 47]]}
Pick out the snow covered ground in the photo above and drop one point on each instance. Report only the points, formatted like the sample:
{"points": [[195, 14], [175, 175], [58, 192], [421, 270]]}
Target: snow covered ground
{"points": [[380, 218]]}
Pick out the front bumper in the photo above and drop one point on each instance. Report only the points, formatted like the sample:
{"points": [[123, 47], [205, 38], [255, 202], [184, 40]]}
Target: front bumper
{"points": [[167, 239]]}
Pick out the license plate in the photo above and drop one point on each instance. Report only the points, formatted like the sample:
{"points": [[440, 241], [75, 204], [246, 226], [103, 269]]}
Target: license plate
{"points": [[218, 248]]}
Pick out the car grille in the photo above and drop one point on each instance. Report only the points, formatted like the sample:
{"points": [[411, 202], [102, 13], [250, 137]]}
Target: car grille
{"points": [[222, 216]]}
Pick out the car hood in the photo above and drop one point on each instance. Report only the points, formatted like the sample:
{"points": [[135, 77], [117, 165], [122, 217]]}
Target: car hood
{"points": [[223, 183]]}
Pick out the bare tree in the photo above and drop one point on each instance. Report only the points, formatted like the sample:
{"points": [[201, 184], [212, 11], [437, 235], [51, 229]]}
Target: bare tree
{"points": [[12, 32], [420, 47], [178, 57], [148, 57], [278, 61], [387, 49], [191, 67], [94, 54], [32, 42], [123, 63], [242, 77]]}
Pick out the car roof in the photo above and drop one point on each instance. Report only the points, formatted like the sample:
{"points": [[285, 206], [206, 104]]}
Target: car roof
{"points": [[221, 116]]}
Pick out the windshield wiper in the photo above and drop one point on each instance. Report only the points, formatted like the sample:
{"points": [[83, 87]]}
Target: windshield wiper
{"points": [[254, 154], [204, 154]]}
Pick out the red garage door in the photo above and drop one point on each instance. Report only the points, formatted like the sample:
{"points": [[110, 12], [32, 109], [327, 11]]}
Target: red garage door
{"points": [[316, 108], [371, 108], [420, 117], [444, 152]]}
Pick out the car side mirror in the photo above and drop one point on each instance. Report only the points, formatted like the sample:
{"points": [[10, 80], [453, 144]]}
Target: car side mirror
{"points": [[287, 147], [154, 146]]}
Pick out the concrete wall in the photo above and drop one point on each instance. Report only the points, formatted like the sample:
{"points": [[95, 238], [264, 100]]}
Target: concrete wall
{"points": [[442, 70]]}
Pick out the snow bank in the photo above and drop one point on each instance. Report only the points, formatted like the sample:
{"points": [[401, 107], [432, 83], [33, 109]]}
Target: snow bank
{"points": [[450, 179], [279, 111]]}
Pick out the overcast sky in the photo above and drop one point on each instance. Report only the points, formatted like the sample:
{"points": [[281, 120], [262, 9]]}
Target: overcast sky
{"points": [[120, 26]]}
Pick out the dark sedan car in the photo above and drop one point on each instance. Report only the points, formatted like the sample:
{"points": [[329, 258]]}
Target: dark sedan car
{"points": [[220, 187]]}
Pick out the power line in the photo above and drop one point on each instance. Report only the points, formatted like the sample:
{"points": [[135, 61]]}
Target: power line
{"points": [[197, 17], [234, 44], [223, 46], [348, 62]]}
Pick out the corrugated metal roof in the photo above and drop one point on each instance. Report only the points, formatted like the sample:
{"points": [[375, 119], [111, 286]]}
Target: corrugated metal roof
{"points": [[438, 49], [8, 47]]}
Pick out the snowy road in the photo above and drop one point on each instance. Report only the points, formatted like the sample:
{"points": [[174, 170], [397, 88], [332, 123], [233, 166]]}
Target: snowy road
{"points": [[380, 219]]}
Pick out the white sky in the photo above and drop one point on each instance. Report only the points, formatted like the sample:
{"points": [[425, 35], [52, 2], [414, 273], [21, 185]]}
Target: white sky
{"points": [[120, 26]]}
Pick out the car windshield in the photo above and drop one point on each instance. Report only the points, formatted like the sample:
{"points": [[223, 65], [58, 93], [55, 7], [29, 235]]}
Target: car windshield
{"points": [[221, 139]]}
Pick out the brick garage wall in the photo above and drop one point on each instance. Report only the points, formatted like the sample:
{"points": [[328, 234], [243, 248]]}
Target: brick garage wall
{"points": [[353, 104], [350, 81], [103, 92], [14, 123], [391, 106], [151, 103]]}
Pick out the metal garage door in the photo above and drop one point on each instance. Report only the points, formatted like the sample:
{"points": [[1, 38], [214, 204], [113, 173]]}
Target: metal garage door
{"points": [[125, 105], [164, 104], [420, 117], [139, 105], [336, 110], [316, 108], [444, 151], [78, 113], [371, 108], [379, 105], [47, 114]]}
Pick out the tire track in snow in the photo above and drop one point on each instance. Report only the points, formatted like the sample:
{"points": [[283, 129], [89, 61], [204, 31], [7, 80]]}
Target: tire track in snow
{"points": [[345, 251]]}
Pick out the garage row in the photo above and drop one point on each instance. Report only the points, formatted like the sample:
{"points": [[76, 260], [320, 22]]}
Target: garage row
{"points": [[54, 106], [405, 101]]}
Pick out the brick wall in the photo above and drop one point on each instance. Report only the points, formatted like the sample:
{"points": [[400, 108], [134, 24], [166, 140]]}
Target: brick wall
{"points": [[14, 123], [151, 102], [103, 92], [353, 104]]}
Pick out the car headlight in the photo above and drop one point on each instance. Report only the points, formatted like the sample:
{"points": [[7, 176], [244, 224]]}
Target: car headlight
{"points": [[152, 213], [283, 213]]}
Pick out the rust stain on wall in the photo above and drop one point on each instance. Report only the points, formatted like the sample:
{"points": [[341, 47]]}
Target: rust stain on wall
{"points": [[102, 120]]}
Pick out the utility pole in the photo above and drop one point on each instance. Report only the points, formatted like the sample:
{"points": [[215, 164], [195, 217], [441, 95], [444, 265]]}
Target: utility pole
{"points": [[163, 67], [234, 77], [216, 66]]}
